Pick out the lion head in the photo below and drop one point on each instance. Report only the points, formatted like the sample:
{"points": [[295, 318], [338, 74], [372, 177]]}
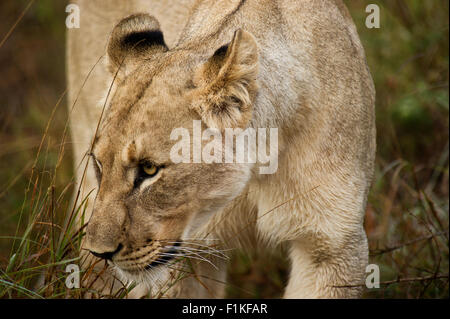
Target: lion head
{"points": [[146, 204]]}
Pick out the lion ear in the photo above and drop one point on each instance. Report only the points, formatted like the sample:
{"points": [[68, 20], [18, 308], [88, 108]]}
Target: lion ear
{"points": [[133, 39], [227, 84]]}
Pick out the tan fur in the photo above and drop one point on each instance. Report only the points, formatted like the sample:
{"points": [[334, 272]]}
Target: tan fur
{"points": [[295, 65]]}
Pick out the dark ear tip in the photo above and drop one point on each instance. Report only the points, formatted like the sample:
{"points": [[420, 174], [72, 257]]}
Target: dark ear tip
{"points": [[137, 27], [222, 50], [142, 39], [134, 35]]}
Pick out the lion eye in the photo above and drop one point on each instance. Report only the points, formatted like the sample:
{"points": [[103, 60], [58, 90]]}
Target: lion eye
{"points": [[146, 169], [149, 169]]}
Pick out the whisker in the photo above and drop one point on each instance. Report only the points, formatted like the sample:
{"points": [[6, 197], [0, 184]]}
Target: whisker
{"points": [[177, 239], [212, 253], [197, 257], [200, 245]]}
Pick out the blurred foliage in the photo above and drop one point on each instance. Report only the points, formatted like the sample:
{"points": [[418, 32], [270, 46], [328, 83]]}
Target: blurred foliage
{"points": [[32, 61], [407, 214]]}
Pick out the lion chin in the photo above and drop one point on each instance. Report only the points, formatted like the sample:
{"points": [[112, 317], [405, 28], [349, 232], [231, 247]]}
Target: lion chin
{"points": [[155, 280]]}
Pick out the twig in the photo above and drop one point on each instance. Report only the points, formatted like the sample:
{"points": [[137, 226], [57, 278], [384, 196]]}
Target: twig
{"points": [[392, 248], [10, 31], [400, 280]]}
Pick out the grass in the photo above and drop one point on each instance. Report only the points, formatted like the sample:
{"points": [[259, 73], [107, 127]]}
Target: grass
{"points": [[407, 214]]}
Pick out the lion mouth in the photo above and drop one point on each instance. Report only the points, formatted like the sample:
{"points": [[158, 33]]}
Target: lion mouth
{"points": [[169, 255]]}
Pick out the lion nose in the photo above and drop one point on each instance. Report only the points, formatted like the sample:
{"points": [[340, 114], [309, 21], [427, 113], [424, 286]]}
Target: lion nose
{"points": [[107, 255]]}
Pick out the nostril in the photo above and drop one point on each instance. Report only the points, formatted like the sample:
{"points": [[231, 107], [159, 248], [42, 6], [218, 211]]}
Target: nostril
{"points": [[107, 255]]}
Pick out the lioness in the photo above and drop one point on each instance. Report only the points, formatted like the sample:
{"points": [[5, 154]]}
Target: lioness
{"points": [[294, 65]]}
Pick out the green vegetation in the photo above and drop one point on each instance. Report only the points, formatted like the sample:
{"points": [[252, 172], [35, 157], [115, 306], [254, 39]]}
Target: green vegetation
{"points": [[407, 214]]}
